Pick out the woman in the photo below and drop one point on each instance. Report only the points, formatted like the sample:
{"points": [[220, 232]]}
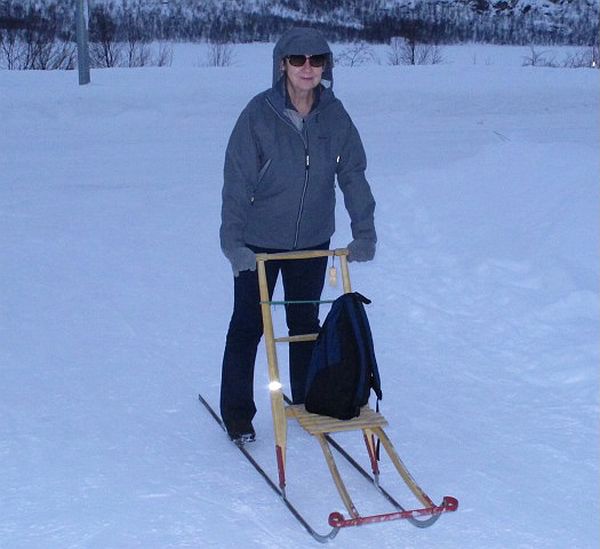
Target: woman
{"points": [[287, 147]]}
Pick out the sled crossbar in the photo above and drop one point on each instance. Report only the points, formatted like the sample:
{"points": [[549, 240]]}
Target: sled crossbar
{"points": [[298, 302], [296, 338], [448, 505], [302, 254]]}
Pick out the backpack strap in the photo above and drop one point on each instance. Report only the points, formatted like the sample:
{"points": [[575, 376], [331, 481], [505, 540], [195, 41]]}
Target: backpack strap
{"points": [[368, 335], [362, 298], [376, 379]]}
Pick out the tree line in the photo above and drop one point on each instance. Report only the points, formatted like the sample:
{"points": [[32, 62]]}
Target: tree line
{"points": [[41, 34]]}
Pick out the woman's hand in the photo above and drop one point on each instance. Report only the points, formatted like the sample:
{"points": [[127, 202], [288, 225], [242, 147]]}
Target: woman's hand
{"points": [[241, 259], [361, 249]]}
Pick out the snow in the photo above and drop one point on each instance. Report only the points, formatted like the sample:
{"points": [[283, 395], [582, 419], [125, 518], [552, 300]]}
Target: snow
{"points": [[115, 300]]}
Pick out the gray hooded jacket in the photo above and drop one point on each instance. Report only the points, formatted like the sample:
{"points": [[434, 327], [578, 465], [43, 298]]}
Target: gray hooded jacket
{"points": [[279, 179]]}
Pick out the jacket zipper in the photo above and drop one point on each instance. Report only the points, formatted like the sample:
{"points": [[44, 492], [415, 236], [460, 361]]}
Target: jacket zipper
{"points": [[300, 210], [306, 170]]}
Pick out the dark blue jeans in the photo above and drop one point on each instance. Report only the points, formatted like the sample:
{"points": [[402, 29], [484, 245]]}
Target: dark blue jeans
{"points": [[302, 280]]}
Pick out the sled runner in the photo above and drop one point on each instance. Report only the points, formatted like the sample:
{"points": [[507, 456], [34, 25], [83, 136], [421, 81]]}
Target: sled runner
{"points": [[370, 423]]}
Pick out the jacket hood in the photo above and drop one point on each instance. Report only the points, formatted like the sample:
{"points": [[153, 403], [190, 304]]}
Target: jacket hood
{"points": [[302, 41]]}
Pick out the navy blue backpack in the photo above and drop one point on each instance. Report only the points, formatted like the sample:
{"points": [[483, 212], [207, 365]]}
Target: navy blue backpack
{"points": [[343, 369]]}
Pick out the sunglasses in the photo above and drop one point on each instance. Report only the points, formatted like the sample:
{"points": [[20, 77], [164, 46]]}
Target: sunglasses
{"points": [[314, 60]]}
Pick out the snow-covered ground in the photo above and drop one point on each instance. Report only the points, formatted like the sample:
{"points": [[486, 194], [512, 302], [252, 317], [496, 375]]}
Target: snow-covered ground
{"points": [[115, 300]]}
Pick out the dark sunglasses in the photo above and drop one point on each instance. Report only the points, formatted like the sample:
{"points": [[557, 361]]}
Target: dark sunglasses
{"points": [[314, 60]]}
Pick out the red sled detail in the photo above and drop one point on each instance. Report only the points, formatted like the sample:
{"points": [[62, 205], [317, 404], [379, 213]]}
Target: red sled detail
{"points": [[280, 467], [448, 505]]}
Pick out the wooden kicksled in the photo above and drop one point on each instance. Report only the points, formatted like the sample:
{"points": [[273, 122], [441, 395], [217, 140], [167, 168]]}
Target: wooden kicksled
{"points": [[370, 422]]}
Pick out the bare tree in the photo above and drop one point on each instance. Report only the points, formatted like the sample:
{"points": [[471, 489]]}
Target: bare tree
{"points": [[537, 58], [395, 51], [105, 51], [357, 54], [33, 42], [428, 54], [56, 55], [586, 58], [37, 41], [410, 52], [10, 49], [164, 56], [220, 54], [137, 49], [138, 54], [411, 30], [65, 56]]}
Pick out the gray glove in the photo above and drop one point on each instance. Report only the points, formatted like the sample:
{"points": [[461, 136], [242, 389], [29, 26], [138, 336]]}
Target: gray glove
{"points": [[241, 259], [361, 249]]}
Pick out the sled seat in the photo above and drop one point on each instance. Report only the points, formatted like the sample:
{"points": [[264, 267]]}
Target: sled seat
{"points": [[317, 424]]}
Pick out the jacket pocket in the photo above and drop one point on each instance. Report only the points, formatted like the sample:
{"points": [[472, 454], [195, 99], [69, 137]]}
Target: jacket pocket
{"points": [[261, 175]]}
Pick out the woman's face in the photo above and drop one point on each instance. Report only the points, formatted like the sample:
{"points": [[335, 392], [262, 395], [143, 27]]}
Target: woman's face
{"points": [[305, 77]]}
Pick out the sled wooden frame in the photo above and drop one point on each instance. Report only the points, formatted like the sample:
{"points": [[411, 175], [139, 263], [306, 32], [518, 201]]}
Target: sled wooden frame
{"points": [[370, 422]]}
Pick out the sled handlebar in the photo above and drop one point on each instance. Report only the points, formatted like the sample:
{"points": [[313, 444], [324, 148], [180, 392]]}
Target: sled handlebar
{"points": [[302, 254]]}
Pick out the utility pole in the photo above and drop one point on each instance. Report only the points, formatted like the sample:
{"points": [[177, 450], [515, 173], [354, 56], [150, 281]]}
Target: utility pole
{"points": [[83, 51]]}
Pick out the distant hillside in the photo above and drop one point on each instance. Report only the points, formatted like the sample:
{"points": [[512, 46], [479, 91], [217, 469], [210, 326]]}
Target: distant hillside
{"points": [[429, 21]]}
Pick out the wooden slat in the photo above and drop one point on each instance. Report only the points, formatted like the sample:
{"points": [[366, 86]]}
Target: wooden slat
{"points": [[316, 424], [345, 274], [277, 404], [401, 468], [335, 474]]}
